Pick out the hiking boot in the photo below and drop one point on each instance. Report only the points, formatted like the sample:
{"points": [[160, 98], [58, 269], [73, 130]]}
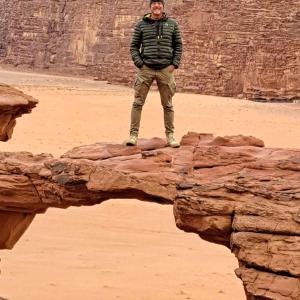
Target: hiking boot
{"points": [[132, 140], [171, 141]]}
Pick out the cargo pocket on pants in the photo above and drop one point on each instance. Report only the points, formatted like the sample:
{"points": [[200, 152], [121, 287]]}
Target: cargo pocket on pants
{"points": [[137, 84], [172, 87], [140, 90]]}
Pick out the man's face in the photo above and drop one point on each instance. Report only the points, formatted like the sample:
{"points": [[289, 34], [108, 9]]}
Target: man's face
{"points": [[157, 9]]}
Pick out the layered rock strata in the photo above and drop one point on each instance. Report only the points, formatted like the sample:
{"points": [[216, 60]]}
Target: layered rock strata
{"points": [[231, 48], [13, 104], [229, 190]]}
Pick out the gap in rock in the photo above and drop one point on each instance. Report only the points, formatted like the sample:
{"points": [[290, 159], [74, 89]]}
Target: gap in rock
{"points": [[121, 249]]}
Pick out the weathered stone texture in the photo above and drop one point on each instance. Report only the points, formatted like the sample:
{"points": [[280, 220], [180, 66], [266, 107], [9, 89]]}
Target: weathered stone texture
{"points": [[13, 225], [231, 48], [229, 190], [5, 9], [13, 104]]}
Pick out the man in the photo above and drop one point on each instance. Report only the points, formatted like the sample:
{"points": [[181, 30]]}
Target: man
{"points": [[155, 49]]}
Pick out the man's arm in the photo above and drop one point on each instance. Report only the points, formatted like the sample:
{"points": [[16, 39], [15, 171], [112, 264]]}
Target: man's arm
{"points": [[177, 46], [135, 46]]}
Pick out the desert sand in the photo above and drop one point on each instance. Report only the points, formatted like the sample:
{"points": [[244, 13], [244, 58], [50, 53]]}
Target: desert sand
{"points": [[124, 249]]}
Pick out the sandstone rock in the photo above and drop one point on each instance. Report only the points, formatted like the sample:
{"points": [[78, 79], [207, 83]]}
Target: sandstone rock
{"points": [[235, 141], [246, 48], [276, 252], [13, 104], [13, 225], [268, 286], [229, 190]]}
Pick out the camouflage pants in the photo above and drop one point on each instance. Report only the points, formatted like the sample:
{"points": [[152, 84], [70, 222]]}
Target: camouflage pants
{"points": [[166, 86]]}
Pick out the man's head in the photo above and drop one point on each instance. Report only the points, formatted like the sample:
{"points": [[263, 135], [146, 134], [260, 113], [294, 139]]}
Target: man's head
{"points": [[161, 1], [157, 8]]}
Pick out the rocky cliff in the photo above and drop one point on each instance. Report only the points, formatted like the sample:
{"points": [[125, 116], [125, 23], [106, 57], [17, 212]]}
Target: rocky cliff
{"points": [[13, 104], [229, 190], [231, 48]]}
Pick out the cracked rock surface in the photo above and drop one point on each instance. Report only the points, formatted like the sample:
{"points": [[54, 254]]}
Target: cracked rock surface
{"points": [[229, 190]]}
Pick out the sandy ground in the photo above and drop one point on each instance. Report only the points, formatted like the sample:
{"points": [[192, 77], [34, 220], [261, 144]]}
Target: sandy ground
{"points": [[124, 249]]}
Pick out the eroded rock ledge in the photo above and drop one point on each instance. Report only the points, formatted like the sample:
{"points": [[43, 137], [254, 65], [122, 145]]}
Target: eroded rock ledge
{"points": [[13, 104], [229, 190]]}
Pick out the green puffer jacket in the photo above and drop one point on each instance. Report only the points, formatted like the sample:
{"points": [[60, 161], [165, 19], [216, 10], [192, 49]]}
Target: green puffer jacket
{"points": [[156, 43]]}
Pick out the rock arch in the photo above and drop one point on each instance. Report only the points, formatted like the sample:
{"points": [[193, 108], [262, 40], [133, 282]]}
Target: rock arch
{"points": [[229, 190]]}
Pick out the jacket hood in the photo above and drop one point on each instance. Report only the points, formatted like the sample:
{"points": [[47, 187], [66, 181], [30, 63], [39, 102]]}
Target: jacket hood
{"points": [[147, 18]]}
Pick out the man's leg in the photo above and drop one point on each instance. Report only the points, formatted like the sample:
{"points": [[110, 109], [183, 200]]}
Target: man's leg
{"points": [[143, 81], [166, 85]]}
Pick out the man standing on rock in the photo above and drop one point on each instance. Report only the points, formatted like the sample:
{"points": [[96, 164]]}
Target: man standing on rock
{"points": [[156, 49]]}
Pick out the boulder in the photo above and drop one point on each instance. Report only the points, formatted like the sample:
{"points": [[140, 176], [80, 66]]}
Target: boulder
{"points": [[13, 104]]}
